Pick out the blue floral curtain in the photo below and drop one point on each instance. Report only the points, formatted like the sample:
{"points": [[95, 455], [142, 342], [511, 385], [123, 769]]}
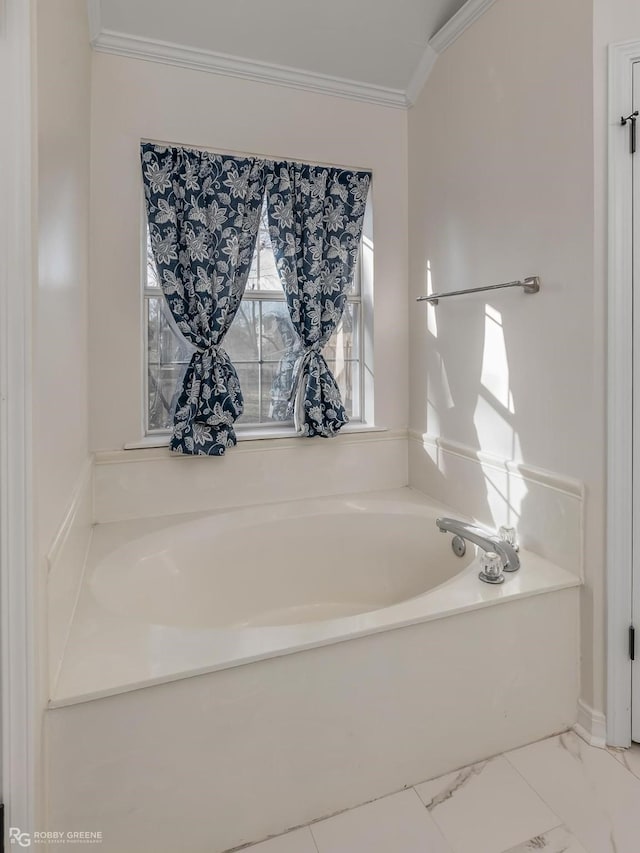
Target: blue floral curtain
{"points": [[203, 211], [315, 223]]}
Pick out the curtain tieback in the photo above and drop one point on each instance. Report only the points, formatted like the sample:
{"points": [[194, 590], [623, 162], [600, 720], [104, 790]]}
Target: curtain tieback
{"points": [[216, 351], [297, 389]]}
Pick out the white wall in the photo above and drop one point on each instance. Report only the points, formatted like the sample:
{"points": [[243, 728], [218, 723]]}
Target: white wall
{"points": [[133, 99], [501, 187], [60, 370], [61, 316]]}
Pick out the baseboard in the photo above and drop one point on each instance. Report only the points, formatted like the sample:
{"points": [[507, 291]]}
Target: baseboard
{"points": [[591, 725], [65, 563]]}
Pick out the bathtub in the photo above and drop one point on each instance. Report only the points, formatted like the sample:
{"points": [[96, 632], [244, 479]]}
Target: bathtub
{"points": [[302, 657], [315, 561], [166, 598]]}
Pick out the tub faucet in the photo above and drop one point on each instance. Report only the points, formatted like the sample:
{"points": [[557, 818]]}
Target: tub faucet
{"points": [[483, 539]]}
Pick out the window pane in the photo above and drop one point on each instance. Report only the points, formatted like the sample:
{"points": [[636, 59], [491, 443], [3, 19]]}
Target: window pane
{"points": [[278, 335], [249, 376], [263, 274], [242, 341], [347, 374], [344, 343], [166, 344], [163, 384], [355, 288], [277, 379], [279, 342], [152, 273], [342, 353], [168, 355]]}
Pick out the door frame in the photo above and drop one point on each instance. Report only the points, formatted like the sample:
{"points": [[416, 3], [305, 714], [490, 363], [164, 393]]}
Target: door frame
{"points": [[620, 485], [17, 267]]}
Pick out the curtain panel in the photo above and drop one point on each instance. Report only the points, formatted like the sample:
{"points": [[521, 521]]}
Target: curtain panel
{"points": [[316, 215], [203, 211]]}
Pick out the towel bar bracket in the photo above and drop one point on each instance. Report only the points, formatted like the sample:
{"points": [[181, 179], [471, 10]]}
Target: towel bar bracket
{"points": [[531, 284]]}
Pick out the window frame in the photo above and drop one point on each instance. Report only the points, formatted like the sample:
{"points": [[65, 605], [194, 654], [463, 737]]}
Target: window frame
{"points": [[159, 437]]}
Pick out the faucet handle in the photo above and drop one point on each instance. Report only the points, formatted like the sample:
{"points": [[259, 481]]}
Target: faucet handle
{"points": [[491, 568], [508, 535]]}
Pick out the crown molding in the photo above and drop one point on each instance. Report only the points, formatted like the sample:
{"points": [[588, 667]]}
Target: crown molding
{"points": [[420, 75], [455, 26], [168, 53], [444, 38], [95, 19]]}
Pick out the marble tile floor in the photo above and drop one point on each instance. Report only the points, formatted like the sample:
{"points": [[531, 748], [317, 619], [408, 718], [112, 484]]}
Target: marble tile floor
{"points": [[557, 796]]}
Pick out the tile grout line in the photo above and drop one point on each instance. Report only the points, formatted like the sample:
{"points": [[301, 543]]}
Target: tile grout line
{"points": [[313, 838], [537, 793], [527, 783], [488, 758], [622, 763], [432, 819], [519, 847], [248, 846]]}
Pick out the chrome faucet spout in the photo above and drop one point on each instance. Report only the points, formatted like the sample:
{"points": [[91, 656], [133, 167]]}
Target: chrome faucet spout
{"points": [[484, 539]]}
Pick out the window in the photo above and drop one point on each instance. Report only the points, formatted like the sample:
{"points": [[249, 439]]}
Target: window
{"points": [[259, 342]]}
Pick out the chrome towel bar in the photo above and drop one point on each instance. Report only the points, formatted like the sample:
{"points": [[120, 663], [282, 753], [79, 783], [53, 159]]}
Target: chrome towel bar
{"points": [[529, 285]]}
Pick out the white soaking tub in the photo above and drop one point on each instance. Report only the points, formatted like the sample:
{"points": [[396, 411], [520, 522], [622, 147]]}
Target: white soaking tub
{"points": [[280, 565], [342, 651], [169, 597]]}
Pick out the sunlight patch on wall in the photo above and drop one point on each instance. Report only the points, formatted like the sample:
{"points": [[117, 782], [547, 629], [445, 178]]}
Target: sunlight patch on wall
{"points": [[496, 434], [447, 399], [496, 484], [495, 365], [494, 423], [439, 398], [517, 493], [433, 419], [493, 417]]}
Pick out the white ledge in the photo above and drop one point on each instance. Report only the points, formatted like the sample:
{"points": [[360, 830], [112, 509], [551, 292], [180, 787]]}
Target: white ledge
{"points": [[156, 447], [559, 482]]}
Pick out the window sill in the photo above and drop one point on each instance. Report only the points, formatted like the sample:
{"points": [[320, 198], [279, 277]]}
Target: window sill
{"points": [[248, 434]]}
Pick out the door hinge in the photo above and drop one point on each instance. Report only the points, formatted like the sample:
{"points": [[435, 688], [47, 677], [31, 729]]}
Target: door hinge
{"points": [[632, 642], [631, 121]]}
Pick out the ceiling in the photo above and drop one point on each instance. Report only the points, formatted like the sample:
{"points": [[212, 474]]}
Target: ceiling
{"points": [[373, 42]]}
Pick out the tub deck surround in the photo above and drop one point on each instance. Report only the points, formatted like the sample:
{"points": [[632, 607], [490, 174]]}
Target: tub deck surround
{"points": [[547, 508], [152, 482], [66, 560], [288, 577], [203, 765]]}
